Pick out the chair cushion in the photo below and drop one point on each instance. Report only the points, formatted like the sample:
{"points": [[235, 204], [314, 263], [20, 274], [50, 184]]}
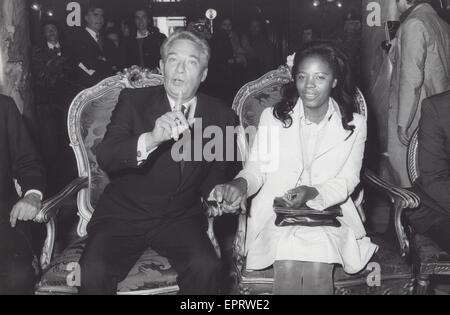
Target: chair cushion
{"points": [[396, 276], [152, 273]]}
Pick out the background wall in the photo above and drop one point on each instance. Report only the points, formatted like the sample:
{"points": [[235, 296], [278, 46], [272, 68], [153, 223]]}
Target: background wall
{"points": [[15, 55]]}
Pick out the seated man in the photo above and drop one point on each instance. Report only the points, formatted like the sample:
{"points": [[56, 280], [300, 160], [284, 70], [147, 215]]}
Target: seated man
{"points": [[433, 186], [154, 199], [18, 159]]}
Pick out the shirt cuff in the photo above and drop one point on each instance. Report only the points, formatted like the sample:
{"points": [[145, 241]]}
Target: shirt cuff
{"points": [[317, 203], [253, 184], [34, 191], [142, 153]]}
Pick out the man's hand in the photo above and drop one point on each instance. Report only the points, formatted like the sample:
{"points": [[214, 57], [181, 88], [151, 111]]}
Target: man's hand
{"points": [[231, 196], [298, 196], [403, 135], [168, 126], [25, 209]]}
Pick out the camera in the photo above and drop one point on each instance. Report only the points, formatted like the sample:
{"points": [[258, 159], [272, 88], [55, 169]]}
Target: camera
{"points": [[199, 27]]}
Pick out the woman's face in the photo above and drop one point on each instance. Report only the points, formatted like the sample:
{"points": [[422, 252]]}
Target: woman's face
{"points": [[315, 80]]}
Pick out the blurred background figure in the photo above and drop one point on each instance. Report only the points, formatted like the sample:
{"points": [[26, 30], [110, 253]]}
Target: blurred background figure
{"points": [[54, 88], [259, 50], [201, 27], [125, 29], [91, 50], [143, 48], [306, 34], [421, 68], [117, 53], [227, 64], [238, 52], [350, 41]]}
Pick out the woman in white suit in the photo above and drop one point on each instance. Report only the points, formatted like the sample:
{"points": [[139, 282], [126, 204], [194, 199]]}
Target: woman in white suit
{"points": [[310, 146]]}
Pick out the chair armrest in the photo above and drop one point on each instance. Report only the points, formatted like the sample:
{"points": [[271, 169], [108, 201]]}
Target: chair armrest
{"points": [[239, 246], [410, 200], [401, 198], [51, 206], [239, 240]]}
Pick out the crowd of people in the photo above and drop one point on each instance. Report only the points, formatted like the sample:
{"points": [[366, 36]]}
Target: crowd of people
{"points": [[156, 200]]}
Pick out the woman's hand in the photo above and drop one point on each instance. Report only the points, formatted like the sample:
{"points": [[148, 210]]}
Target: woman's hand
{"points": [[231, 196], [298, 196]]}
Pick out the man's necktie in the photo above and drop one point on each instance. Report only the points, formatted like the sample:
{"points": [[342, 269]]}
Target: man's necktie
{"points": [[184, 110], [99, 41]]}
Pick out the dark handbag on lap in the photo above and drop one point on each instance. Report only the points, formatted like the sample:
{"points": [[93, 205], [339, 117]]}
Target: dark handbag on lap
{"points": [[305, 216]]}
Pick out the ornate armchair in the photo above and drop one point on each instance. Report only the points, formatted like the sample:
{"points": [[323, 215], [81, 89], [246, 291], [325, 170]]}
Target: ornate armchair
{"points": [[396, 276], [429, 259], [89, 114]]}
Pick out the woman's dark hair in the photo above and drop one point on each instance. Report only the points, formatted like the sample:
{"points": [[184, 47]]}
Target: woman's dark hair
{"points": [[343, 93]]}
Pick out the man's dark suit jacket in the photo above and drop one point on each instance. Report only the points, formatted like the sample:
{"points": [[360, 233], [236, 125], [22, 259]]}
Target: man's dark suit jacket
{"points": [[433, 185], [157, 190], [151, 51], [86, 50], [18, 158]]}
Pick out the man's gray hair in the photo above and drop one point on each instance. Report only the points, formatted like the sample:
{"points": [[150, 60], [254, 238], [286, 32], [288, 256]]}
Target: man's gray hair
{"points": [[186, 35]]}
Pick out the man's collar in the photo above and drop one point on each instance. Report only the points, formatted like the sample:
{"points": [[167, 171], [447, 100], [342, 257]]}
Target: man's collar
{"points": [[188, 104], [51, 46], [92, 33]]}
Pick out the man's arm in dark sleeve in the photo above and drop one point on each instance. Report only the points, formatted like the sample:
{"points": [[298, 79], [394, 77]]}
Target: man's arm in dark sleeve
{"points": [[433, 162], [224, 171], [118, 150], [27, 165]]}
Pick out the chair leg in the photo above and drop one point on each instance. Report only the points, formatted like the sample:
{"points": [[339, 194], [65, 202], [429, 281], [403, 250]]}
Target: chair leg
{"points": [[423, 284]]}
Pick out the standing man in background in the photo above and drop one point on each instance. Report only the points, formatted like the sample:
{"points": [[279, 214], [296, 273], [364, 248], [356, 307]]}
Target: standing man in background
{"points": [[91, 50], [143, 50], [421, 69]]}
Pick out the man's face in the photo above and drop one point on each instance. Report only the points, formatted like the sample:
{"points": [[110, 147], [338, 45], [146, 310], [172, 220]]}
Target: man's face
{"points": [[184, 68], [51, 33], [227, 26], [95, 19], [255, 28], [307, 35], [141, 20], [402, 5]]}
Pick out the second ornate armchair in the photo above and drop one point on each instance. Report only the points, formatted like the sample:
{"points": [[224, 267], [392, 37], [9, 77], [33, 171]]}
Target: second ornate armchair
{"points": [[428, 258], [396, 275], [89, 114]]}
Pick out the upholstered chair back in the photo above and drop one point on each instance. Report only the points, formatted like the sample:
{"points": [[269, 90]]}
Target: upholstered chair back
{"points": [[89, 114]]}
